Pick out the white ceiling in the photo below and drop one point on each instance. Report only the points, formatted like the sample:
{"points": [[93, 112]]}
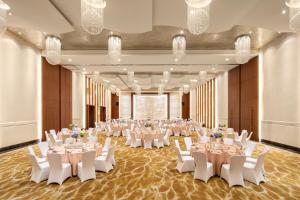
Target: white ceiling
{"points": [[138, 16]]}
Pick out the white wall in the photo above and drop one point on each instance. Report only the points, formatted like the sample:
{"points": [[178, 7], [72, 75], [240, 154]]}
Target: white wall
{"points": [[222, 99], [125, 105], [78, 96], [280, 90], [20, 91]]}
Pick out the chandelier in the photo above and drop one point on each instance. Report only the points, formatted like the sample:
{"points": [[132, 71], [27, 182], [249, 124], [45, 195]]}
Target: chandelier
{"points": [[92, 15], [3, 14], [179, 46], [294, 18], [197, 15], [242, 49], [114, 47], [186, 89], [53, 50]]}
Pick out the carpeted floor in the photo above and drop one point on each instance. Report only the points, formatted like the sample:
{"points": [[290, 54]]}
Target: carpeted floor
{"points": [[149, 174]]}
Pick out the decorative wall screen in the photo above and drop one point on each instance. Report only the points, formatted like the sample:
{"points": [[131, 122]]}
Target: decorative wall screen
{"points": [[150, 107]]}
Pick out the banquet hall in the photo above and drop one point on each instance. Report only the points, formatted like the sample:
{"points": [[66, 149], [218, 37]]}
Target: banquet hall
{"points": [[149, 99]]}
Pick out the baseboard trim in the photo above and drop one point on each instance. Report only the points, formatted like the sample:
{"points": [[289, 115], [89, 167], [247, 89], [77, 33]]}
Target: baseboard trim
{"points": [[282, 146], [18, 146]]}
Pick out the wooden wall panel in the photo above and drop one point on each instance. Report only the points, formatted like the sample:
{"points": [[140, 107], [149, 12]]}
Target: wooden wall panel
{"points": [[243, 109], [56, 97], [185, 106], [114, 106]]}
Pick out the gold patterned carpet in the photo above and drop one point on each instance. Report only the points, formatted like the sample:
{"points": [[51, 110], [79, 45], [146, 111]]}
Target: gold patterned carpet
{"points": [[149, 174]]}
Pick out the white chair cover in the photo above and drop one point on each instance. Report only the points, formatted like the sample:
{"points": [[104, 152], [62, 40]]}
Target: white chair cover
{"points": [[39, 171], [59, 171], [233, 172], [86, 168], [204, 169]]}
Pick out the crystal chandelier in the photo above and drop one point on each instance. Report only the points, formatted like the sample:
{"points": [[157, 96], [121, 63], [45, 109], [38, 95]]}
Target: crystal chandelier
{"points": [[114, 47], [53, 50], [197, 16], [294, 18], [186, 89], [242, 49], [3, 14], [179, 46], [92, 15]]}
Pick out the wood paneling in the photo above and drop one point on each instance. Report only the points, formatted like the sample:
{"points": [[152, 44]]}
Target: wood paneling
{"points": [[56, 97], [114, 106], [243, 97], [185, 106], [206, 103]]}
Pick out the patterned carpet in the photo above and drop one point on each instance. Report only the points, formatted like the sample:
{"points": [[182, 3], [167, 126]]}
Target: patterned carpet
{"points": [[149, 174]]}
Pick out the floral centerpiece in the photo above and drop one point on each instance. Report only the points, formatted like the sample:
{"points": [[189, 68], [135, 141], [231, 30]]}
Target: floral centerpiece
{"points": [[218, 135], [82, 134], [74, 135], [72, 126]]}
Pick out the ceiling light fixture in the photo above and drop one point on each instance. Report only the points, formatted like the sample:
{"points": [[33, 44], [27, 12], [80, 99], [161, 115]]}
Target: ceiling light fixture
{"points": [[283, 12], [294, 17], [186, 89], [53, 50], [171, 69], [92, 15], [179, 46], [226, 59], [242, 49], [70, 60], [198, 15], [114, 48]]}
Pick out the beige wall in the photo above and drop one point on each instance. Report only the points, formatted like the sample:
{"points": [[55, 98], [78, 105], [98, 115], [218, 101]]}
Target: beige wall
{"points": [[193, 100], [222, 99], [78, 98], [125, 105], [280, 90], [20, 74]]}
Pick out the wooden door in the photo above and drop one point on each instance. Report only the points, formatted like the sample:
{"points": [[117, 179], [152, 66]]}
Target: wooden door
{"points": [[186, 106], [114, 106]]}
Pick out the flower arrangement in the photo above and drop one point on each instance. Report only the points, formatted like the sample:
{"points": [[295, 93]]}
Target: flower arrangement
{"points": [[82, 133], [74, 135], [217, 134], [72, 126]]}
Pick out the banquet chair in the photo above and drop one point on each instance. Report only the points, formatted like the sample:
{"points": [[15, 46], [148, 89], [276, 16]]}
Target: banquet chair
{"points": [[135, 142], [253, 172], [53, 132], [203, 169], [188, 143], [90, 131], [109, 131], [176, 131], [159, 142], [250, 147], [69, 140], [229, 130], [86, 168], [104, 163], [147, 141], [228, 141], [113, 160], [203, 131], [167, 137], [39, 171], [183, 153], [254, 160], [204, 139], [233, 172], [106, 144], [230, 135], [92, 139], [127, 135], [64, 130], [31, 151], [185, 132], [59, 171], [116, 133], [249, 137], [53, 141], [184, 163], [43, 146], [242, 138]]}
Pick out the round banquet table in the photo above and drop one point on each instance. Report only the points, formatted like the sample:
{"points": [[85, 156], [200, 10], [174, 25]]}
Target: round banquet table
{"points": [[217, 155], [74, 155]]}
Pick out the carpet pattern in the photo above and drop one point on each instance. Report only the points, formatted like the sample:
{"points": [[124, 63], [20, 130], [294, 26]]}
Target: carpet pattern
{"points": [[149, 174]]}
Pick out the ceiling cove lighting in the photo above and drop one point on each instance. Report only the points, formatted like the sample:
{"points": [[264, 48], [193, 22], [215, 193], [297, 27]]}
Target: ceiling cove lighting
{"points": [[92, 16], [4, 8], [179, 46], [198, 15], [53, 50], [114, 48], [166, 76], [294, 17], [242, 49]]}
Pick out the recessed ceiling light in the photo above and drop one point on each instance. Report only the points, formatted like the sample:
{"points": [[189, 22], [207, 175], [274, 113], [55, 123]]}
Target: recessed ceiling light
{"points": [[283, 12], [124, 69], [96, 72], [20, 33], [194, 80], [44, 33], [213, 69], [171, 69], [10, 13], [226, 59], [135, 81], [111, 33], [250, 32], [119, 60], [176, 59], [83, 69], [181, 32], [70, 59]]}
